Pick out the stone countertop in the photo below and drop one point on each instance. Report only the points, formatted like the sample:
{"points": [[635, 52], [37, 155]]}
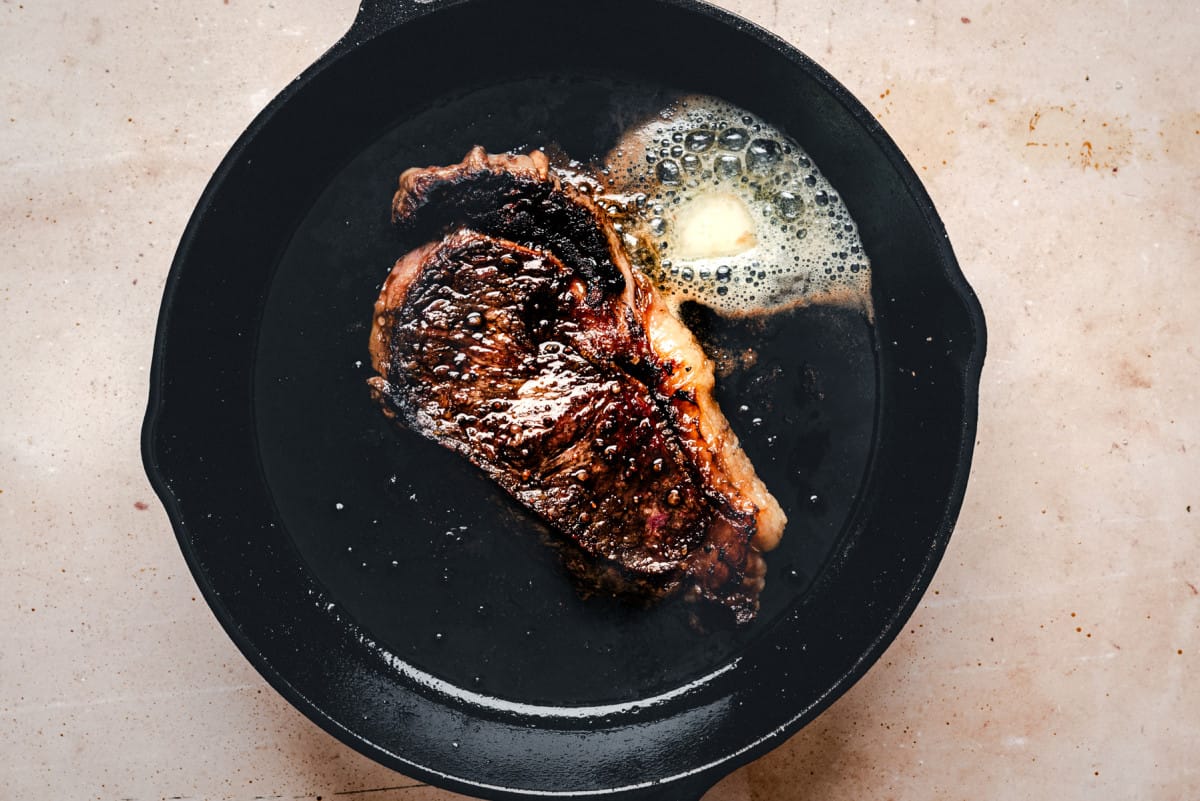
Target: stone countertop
{"points": [[1057, 653]]}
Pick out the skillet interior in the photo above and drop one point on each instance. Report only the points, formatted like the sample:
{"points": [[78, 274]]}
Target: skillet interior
{"points": [[432, 559], [263, 321]]}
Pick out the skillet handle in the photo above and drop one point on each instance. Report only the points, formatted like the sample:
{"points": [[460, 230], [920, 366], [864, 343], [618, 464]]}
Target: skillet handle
{"points": [[376, 16]]}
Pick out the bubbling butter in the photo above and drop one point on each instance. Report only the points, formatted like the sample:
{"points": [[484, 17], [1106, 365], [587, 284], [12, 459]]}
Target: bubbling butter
{"points": [[721, 208]]}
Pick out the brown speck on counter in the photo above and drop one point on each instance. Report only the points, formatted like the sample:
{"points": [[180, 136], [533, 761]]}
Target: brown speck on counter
{"points": [[141, 506], [1130, 377], [1087, 143]]}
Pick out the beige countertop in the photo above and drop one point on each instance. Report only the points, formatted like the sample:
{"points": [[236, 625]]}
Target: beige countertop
{"points": [[1057, 653]]}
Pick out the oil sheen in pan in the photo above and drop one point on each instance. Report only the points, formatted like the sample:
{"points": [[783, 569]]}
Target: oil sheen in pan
{"points": [[422, 556]]}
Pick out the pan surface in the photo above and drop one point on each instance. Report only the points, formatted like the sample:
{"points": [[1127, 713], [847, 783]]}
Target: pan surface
{"points": [[396, 596]]}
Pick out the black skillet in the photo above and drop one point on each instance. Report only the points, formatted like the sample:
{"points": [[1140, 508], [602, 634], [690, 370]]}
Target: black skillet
{"points": [[396, 597]]}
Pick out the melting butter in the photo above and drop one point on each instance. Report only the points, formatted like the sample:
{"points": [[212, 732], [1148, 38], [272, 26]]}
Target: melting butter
{"points": [[722, 208]]}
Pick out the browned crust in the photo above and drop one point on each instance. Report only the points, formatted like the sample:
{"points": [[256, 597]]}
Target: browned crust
{"points": [[391, 296], [416, 182]]}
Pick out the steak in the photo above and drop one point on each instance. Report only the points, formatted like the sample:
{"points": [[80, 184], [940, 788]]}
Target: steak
{"points": [[524, 340]]}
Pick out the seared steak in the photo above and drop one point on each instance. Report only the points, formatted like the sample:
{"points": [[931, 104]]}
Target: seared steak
{"points": [[525, 341]]}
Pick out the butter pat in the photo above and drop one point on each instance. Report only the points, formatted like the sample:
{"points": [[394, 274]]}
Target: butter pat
{"points": [[712, 225]]}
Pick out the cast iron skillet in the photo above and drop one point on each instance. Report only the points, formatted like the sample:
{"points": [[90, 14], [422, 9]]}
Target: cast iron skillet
{"points": [[397, 598]]}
